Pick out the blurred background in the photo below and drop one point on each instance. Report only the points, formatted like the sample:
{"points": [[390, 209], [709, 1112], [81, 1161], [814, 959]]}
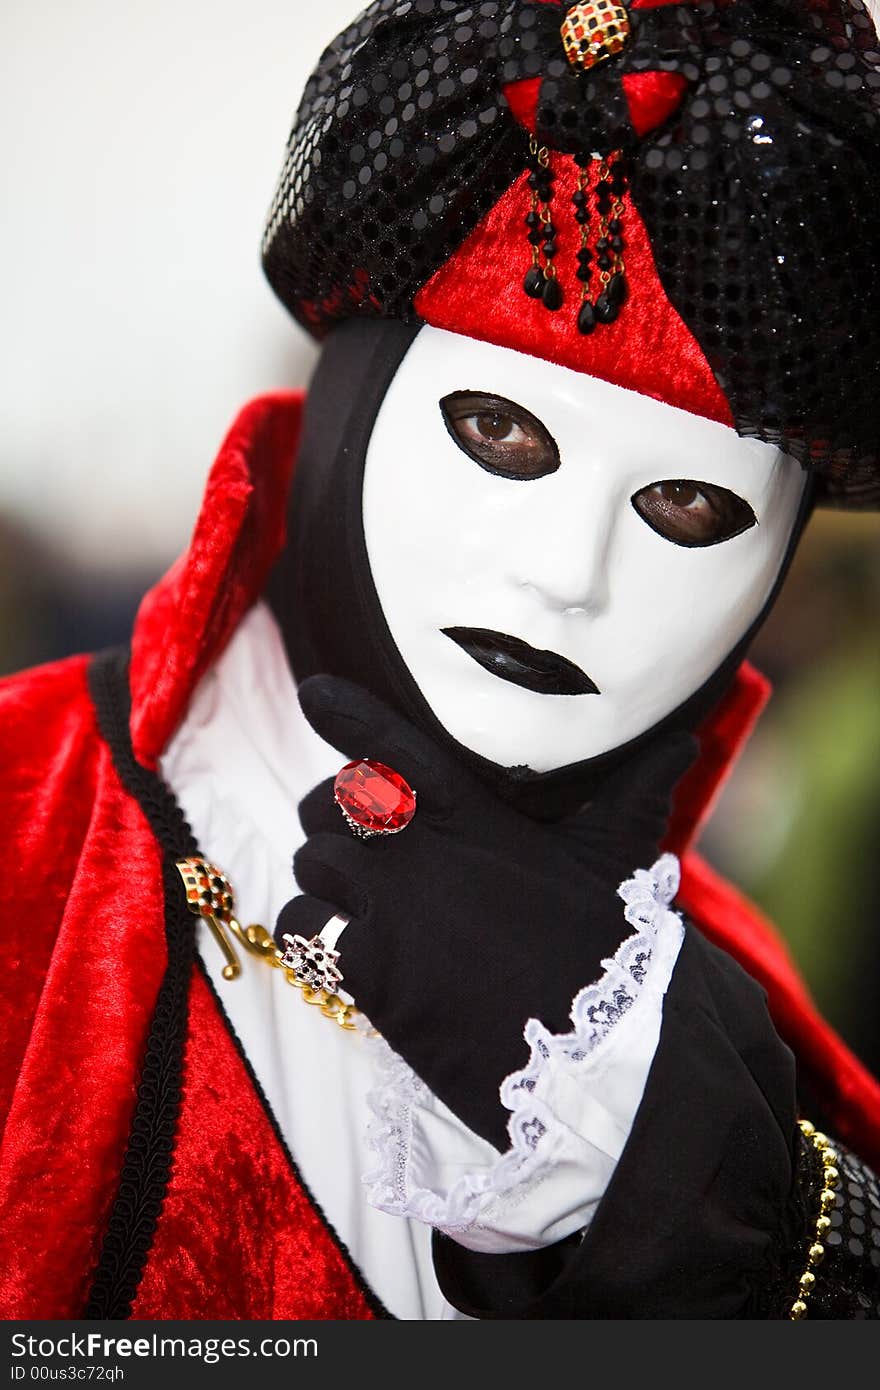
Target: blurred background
{"points": [[141, 150]]}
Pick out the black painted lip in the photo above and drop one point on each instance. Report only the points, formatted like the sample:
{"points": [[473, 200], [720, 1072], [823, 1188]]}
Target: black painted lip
{"points": [[513, 660]]}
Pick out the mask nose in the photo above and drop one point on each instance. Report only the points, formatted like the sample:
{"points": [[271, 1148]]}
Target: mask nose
{"points": [[568, 565]]}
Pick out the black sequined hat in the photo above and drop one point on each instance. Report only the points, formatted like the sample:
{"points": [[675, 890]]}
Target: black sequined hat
{"points": [[679, 198]]}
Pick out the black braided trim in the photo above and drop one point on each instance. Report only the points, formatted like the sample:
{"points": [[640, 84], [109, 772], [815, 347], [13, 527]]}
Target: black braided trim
{"points": [[146, 1168], [370, 1297]]}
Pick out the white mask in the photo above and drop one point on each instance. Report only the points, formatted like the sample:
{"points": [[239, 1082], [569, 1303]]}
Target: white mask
{"points": [[552, 550]]}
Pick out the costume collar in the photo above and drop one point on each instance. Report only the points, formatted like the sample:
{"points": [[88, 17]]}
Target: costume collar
{"points": [[185, 621]]}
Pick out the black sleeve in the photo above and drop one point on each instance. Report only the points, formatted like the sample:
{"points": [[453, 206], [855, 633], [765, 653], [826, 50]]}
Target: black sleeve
{"points": [[713, 1206]]}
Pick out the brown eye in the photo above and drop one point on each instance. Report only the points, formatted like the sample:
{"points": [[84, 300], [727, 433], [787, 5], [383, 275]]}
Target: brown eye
{"points": [[494, 426], [499, 435], [681, 494], [693, 514]]}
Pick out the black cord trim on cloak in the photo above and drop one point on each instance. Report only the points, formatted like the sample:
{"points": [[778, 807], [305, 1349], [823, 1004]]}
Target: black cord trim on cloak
{"points": [[371, 1298], [146, 1169]]}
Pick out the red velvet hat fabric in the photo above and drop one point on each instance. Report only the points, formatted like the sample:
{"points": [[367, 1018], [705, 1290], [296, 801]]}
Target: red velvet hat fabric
{"points": [[648, 349]]}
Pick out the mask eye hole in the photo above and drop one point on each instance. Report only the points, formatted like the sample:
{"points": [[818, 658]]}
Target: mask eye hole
{"points": [[693, 514], [499, 435]]}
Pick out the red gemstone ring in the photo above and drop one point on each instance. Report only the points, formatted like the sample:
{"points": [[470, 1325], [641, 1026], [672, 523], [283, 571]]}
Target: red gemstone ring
{"points": [[374, 799]]}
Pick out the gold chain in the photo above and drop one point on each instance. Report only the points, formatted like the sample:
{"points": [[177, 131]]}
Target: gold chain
{"points": [[261, 944], [209, 896], [827, 1198]]}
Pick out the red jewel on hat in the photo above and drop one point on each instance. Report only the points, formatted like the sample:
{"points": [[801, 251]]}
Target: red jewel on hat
{"points": [[374, 799]]}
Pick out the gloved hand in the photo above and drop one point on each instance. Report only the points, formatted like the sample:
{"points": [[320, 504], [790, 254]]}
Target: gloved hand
{"points": [[474, 918]]}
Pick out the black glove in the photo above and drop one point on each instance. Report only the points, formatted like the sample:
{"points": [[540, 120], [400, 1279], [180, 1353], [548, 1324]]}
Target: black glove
{"points": [[474, 918]]}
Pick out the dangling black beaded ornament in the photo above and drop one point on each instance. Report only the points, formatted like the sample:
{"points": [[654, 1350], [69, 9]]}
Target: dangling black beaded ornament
{"points": [[541, 280], [610, 190]]}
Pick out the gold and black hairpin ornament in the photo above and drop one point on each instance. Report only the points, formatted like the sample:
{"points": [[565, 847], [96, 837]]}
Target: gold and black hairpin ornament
{"points": [[591, 33], [594, 31]]}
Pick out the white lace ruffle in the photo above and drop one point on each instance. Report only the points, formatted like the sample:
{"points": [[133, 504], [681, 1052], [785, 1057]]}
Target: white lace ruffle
{"points": [[535, 1132]]}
